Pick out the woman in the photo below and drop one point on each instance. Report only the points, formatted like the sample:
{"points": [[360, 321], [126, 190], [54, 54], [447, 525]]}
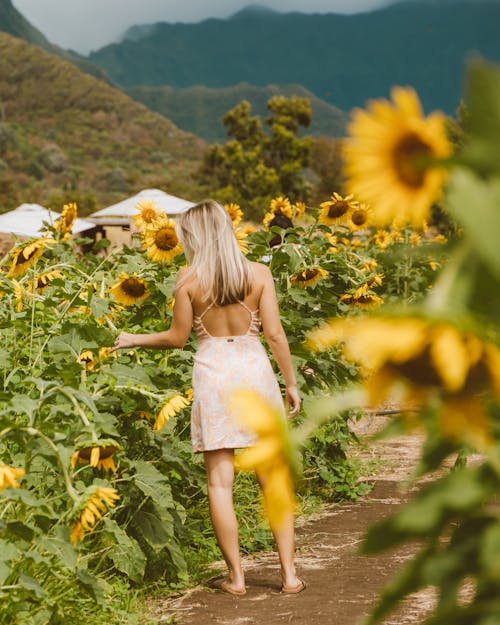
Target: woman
{"points": [[226, 298]]}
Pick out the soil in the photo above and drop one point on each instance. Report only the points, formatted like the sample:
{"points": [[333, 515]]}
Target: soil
{"points": [[342, 586]]}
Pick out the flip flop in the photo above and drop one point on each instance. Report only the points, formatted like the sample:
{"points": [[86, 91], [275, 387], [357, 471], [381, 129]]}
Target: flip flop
{"points": [[224, 586], [294, 590]]}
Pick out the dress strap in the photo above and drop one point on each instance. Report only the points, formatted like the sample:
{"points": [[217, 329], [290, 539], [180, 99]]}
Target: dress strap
{"points": [[209, 307]]}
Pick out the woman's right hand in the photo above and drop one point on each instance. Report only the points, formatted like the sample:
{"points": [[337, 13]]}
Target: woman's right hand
{"points": [[293, 400], [125, 340]]}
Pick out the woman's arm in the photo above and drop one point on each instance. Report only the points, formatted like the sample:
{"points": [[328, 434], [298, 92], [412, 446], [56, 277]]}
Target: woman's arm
{"points": [[276, 338], [176, 336]]}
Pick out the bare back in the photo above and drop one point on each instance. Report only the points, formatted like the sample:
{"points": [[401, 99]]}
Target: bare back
{"points": [[232, 319]]}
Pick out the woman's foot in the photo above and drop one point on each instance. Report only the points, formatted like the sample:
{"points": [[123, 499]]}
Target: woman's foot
{"points": [[233, 589], [295, 588]]}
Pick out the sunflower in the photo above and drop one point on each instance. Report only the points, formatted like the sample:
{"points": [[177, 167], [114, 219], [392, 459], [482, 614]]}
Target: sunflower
{"points": [[337, 209], [234, 211], [359, 218], [280, 205], [88, 359], [272, 456], [362, 299], [44, 279], [18, 295], [299, 209], [307, 277], [97, 454], [433, 265], [415, 239], [333, 240], [64, 224], [148, 213], [369, 265], [241, 237], [97, 500], [24, 256], [9, 476], [431, 359], [439, 238], [161, 241], [392, 158], [129, 290], [170, 408], [382, 238]]}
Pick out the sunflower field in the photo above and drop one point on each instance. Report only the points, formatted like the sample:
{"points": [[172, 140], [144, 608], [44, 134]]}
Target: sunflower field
{"points": [[100, 494], [99, 490]]}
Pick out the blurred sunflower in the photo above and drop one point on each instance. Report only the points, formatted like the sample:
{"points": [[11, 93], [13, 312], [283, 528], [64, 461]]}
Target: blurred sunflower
{"points": [[88, 359], [96, 502], [234, 211], [433, 265], [148, 212], [332, 239], [369, 265], [433, 360], [359, 218], [18, 295], [362, 299], [280, 205], [9, 476], [241, 237], [307, 277], [392, 158], [272, 456], [64, 224], [382, 238], [160, 240], [337, 209], [170, 408], [24, 256], [415, 239], [129, 290], [299, 209], [98, 454], [44, 279]]}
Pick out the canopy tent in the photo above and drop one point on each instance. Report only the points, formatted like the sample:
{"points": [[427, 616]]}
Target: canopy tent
{"points": [[27, 221], [121, 214]]}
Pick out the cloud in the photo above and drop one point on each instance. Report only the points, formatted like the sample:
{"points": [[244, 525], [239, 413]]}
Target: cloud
{"points": [[84, 25]]}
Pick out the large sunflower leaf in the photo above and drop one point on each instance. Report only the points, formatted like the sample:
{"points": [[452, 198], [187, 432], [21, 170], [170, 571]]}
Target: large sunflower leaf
{"points": [[476, 204], [126, 554]]}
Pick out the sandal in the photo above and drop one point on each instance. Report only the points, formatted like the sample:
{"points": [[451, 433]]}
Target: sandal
{"points": [[294, 590], [224, 586]]}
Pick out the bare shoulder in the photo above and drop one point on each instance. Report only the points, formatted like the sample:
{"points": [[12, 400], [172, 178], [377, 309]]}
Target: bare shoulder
{"points": [[261, 272], [185, 280]]}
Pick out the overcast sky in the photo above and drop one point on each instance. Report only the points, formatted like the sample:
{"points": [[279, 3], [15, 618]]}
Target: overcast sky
{"points": [[85, 25]]}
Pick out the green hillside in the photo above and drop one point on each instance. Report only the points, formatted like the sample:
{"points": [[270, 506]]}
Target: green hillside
{"points": [[200, 109], [14, 23], [344, 59], [65, 134]]}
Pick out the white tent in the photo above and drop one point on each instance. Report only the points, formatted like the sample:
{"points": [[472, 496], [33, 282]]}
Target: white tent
{"points": [[122, 213], [27, 221]]}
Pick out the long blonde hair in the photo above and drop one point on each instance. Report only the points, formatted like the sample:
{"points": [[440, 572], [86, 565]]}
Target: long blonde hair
{"points": [[207, 236]]}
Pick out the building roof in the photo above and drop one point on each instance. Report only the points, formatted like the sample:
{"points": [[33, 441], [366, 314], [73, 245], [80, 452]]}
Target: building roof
{"points": [[122, 212], [28, 220]]}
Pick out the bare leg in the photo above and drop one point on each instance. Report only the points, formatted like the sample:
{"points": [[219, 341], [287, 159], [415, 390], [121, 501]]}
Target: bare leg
{"points": [[220, 477], [284, 535]]}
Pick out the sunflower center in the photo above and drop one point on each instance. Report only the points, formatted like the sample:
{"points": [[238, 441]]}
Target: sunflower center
{"points": [[308, 274], [148, 214], [21, 258], [338, 209], [133, 287], [358, 217], [165, 239], [410, 156]]}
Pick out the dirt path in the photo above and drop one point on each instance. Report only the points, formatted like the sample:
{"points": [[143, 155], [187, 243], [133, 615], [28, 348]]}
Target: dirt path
{"points": [[342, 585]]}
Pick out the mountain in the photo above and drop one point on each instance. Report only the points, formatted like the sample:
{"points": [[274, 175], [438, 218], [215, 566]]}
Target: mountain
{"points": [[200, 109], [14, 23], [65, 135], [343, 59]]}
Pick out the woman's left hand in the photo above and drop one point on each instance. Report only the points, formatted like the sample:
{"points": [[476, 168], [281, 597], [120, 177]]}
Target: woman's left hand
{"points": [[124, 340], [293, 400]]}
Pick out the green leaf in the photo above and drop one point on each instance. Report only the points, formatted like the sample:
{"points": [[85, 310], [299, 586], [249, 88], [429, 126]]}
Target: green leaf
{"points": [[32, 585], [153, 483], [490, 551], [476, 205], [126, 554], [154, 531], [62, 549], [94, 586]]}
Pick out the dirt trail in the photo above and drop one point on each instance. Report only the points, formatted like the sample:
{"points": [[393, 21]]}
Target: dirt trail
{"points": [[342, 585]]}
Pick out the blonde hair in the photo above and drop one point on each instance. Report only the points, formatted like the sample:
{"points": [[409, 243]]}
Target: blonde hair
{"points": [[207, 236]]}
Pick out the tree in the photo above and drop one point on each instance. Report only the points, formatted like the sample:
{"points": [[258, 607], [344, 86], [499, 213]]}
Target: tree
{"points": [[259, 163]]}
